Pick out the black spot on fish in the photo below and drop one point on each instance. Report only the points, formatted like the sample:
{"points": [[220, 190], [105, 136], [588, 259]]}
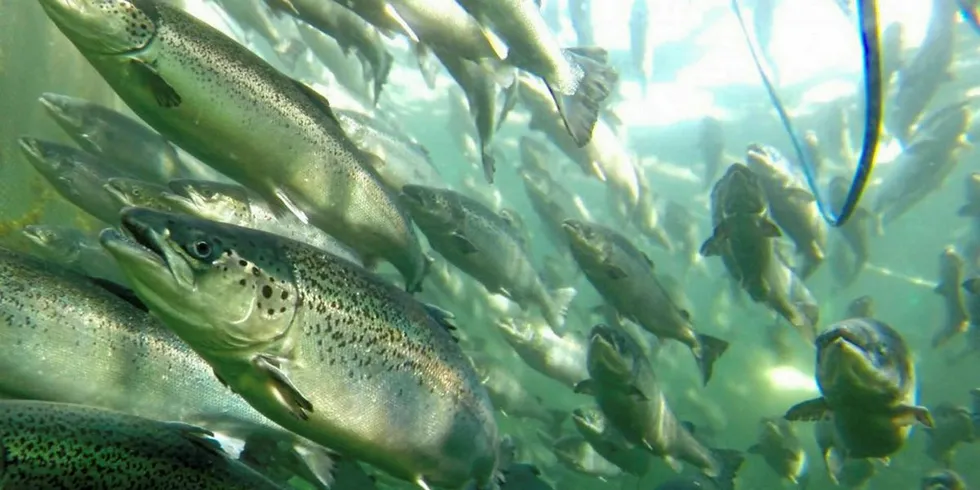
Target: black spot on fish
{"points": [[267, 291]]}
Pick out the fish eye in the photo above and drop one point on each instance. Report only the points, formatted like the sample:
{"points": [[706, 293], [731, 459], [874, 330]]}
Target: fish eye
{"points": [[201, 250]]}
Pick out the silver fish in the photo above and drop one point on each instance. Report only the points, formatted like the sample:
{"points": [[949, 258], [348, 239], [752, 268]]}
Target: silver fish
{"points": [[61, 327], [127, 144], [487, 247], [579, 80], [628, 392], [625, 277], [317, 344], [78, 176], [867, 380], [559, 358], [59, 445], [186, 80], [951, 276]]}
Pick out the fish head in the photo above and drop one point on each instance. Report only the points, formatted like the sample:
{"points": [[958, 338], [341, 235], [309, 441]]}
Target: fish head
{"points": [[861, 358], [613, 357], [586, 239], [765, 160], [217, 201], [428, 204], [106, 27], [589, 420], [943, 480], [772, 428], [740, 192], [64, 242], [50, 159], [71, 113], [222, 288], [135, 192], [516, 332]]}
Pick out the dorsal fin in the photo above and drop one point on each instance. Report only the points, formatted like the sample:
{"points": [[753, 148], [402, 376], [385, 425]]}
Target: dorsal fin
{"points": [[318, 100], [444, 318]]}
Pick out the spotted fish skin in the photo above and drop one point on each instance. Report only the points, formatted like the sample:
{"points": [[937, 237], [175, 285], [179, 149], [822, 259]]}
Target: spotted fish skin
{"points": [[62, 327], [226, 106], [53, 445], [487, 246], [317, 344]]}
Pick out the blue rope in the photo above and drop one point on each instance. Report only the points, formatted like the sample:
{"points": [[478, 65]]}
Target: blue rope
{"points": [[868, 17], [970, 14]]}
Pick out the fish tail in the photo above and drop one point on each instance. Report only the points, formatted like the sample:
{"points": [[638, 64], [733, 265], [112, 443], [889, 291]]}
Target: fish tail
{"points": [[557, 308], [729, 462], [580, 109], [381, 77], [489, 164], [711, 348]]}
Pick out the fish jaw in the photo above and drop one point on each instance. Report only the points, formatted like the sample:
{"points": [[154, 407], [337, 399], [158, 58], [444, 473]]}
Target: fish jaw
{"points": [[845, 366], [207, 302], [605, 362]]}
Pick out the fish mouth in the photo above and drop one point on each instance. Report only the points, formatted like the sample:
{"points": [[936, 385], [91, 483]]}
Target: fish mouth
{"points": [[144, 250], [604, 353], [510, 329], [134, 258], [582, 419], [36, 235], [53, 104], [840, 335], [31, 147], [412, 195], [115, 190], [843, 361], [574, 229]]}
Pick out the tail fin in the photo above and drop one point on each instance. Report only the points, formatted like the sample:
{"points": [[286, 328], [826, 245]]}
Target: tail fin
{"points": [[265, 453], [489, 164], [730, 461], [427, 67], [580, 110], [381, 77], [414, 284], [557, 308], [711, 349], [511, 96]]}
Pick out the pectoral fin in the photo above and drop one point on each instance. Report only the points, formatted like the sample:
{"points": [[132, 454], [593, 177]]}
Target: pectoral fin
{"points": [[586, 387], [615, 272], [463, 244], [279, 381], [908, 415], [808, 411], [163, 92]]}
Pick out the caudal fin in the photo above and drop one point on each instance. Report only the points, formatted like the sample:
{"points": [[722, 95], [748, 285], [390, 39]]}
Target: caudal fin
{"points": [[381, 76], [489, 164], [427, 67], [557, 308], [730, 461], [511, 96], [580, 109], [711, 349]]}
